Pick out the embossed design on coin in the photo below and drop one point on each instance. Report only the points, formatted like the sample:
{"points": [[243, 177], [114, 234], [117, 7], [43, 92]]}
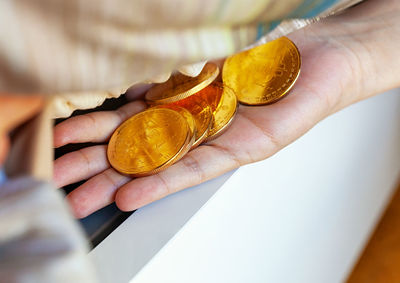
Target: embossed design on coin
{"points": [[263, 74], [149, 142], [179, 86]]}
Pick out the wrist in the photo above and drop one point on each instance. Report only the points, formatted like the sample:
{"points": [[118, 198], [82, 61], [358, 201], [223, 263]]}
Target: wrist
{"points": [[369, 35], [358, 50]]}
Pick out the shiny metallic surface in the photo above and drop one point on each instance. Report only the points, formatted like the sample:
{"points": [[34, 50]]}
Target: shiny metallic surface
{"points": [[149, 142], [202, 114], [224, 105], [264, 74], [179, 86]]}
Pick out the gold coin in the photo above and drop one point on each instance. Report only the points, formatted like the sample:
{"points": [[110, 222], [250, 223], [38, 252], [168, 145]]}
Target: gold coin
{"points": [[263, 74], [191, 123], [186, 114], [149, 142], [179, 86], [224, 105], [202, 115]]}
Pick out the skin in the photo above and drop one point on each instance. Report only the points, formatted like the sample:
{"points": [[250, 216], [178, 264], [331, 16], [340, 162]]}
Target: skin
{"points": [[14, 110], [345, 59]]}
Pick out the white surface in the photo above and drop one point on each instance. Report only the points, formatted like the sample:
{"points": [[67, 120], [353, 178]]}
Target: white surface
{"points": [[302, 215], [126, 250]]}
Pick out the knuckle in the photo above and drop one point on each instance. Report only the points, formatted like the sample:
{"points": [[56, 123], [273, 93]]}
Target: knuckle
{"points": [[85, 158], [163, 184], [194, 167], [109, 178]]}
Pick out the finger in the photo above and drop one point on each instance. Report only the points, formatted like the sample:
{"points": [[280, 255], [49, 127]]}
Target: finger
{"points": [[80, 165], [202, 164], [199, 165], [95, 126], [96, 193], [138, 91]]}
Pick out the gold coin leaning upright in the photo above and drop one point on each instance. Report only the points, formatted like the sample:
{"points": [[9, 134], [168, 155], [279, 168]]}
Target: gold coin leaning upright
{"points": [[179, 86], [224, 104], [263, 74], [149, 142], [202, 115]]}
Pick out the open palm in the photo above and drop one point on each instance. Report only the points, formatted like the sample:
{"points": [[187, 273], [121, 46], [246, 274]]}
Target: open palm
{"points": [[329, 80]]}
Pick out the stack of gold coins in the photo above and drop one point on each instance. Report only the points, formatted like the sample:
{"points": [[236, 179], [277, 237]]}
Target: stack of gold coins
{"points": [[187, 111]]}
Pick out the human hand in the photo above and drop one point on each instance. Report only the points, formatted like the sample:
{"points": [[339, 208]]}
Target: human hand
{"points": [[344, 59]]}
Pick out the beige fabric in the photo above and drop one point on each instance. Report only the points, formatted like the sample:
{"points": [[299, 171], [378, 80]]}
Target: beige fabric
{"points": [[88, 50], [65, 104], [39, 241], [58, 46]]}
